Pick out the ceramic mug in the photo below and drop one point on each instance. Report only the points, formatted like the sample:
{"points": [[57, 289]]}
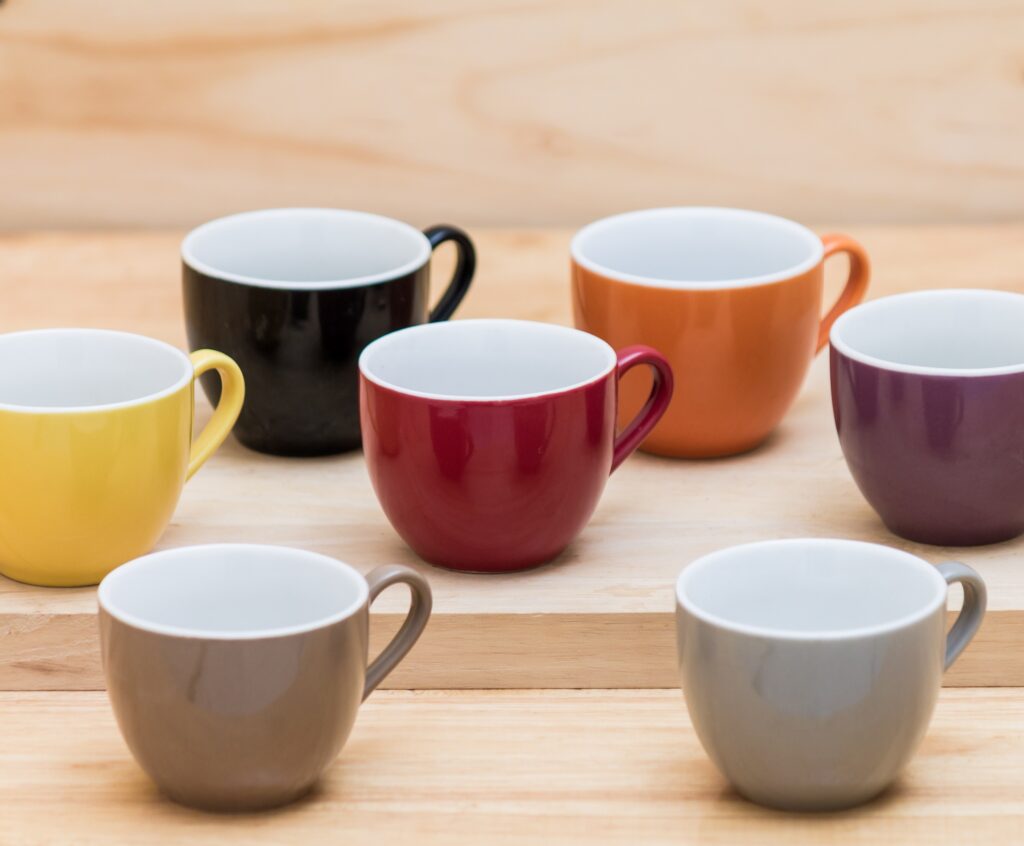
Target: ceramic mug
{"points": [[928, 398], [95, 446], [293, 295], [235, 671], [732, 299], [489, 442], [811, 667]]}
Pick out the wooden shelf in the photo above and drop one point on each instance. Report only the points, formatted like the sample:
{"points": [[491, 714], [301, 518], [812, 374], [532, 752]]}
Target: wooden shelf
{"points": [[599, 617], [566, 767]]}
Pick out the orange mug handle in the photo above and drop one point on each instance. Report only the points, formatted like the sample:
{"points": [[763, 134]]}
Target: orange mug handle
{"points": [[856, 283]]}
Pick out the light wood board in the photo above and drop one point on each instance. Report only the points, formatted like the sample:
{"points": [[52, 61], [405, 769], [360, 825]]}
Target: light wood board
{"points": [[599, 617], [509, 112], [525, 767]]}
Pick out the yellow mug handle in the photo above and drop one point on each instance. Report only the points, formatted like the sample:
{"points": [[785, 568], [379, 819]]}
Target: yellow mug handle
{"points": [[232, 394]]}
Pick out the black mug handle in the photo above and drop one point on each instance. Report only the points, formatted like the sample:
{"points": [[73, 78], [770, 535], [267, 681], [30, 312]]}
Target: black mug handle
{"points": [[465, 267]]}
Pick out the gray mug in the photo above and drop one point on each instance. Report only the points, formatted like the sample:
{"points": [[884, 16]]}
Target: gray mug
{"points": [[811, 668], [235, 671]]}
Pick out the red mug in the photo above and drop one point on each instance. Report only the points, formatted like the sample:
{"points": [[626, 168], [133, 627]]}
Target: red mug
{"points": [[489, 442]]}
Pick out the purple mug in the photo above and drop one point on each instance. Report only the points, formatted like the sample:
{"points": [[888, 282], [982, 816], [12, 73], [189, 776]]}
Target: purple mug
{"points": [[928, 397]]}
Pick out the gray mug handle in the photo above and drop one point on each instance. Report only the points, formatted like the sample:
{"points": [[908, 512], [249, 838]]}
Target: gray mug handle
{"points": [[379, 580], [975, 600]]}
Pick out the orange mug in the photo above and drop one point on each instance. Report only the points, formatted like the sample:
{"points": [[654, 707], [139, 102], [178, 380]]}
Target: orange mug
{"points": [[732, 298]]}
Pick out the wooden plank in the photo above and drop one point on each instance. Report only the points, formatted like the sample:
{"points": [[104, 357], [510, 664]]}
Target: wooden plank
{"points": [[566, 767], [510, 113], [489, 651], [599, 617]]}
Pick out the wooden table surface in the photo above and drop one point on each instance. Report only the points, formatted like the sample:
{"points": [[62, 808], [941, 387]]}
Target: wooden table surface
{"points": [[509, 767], [601, 616], [505, 766]]}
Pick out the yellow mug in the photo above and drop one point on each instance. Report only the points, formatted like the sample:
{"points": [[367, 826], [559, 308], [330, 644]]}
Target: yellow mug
{"points": [[95, 447]]}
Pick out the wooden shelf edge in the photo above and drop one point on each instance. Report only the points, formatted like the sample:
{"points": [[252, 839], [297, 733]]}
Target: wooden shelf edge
{"points": [[483, 651]]}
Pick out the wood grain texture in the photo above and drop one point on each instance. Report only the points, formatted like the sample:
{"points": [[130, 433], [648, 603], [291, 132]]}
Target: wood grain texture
{"points": [[599, 617], [513, 112], [566, 767]]}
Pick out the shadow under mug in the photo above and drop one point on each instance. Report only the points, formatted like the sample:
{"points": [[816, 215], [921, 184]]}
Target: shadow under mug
{"points": [[95, 447], [811, 668], [731, 298], [489, 442], [235, 671], [294, 295], [928, 399]]}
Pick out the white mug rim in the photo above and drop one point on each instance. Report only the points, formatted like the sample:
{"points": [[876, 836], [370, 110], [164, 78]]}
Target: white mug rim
{"points": [[842, 347], [189, 257], [167, 557], [448, 326], [815, 245], [186, 379], [807, 636]]}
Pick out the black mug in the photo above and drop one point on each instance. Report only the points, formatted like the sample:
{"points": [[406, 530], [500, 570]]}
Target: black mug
{"points": [[293, 296]]}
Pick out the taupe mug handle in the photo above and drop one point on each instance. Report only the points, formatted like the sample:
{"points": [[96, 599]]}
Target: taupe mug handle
{"points": [[378, 580], [975, 600]]}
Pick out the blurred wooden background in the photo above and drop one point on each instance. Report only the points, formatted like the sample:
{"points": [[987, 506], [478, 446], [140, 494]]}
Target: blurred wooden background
{"points": [[513, 112]]}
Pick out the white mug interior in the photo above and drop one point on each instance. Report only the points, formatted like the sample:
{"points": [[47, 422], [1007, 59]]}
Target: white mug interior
{"points": [[305, 248], [697, 247], [232, 591], [943, 332], [811, 588], [55, 370], [487, 360]]}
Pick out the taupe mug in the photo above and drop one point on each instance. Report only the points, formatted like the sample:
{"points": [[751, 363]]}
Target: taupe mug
{"points": [[811, 667], [235, 671]]}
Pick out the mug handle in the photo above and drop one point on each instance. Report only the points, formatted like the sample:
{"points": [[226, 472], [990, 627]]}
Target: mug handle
{"points": [[856, 283], [657, 402], [465, 267], [232, 394], [975, 600], [379, 579]]}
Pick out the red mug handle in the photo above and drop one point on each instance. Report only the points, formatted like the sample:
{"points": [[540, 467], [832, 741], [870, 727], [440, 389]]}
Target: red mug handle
{"points": [[647, 418]]}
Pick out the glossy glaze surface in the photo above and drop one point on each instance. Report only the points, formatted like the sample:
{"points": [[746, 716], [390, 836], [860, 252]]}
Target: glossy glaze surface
{"points": [[299, 345], [805, 721], [237, 723], [87, 489], [940, 458], [489, 486], [739, 352]]}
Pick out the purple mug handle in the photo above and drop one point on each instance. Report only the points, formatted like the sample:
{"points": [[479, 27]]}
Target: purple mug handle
{"points": [[661, 394]]}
